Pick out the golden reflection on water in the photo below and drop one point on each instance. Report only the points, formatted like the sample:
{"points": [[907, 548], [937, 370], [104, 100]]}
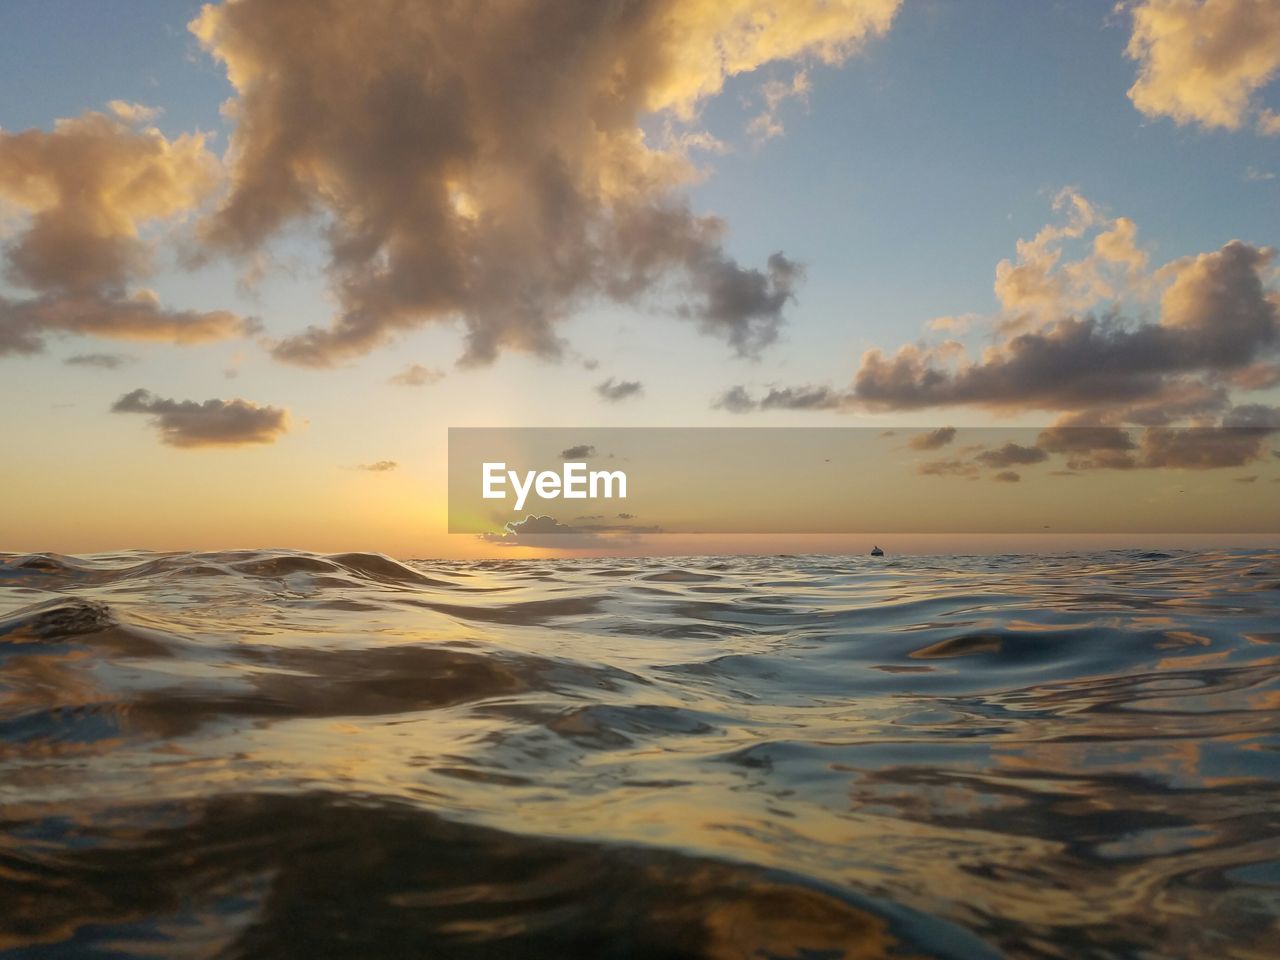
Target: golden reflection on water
{"points": [[1051, 756]]}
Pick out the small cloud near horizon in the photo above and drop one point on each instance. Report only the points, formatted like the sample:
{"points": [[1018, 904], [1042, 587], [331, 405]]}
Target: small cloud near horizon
{"points": [[807, 397], [103, 361], [615, 391], [416, 375], [1012, 455], [933, 440]]}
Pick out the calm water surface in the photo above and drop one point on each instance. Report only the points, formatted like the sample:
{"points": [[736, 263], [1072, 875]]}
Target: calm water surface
{"points": [[261, 754]]}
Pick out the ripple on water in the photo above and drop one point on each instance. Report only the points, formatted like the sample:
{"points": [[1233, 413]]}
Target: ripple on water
{"points": [[800, 757]]}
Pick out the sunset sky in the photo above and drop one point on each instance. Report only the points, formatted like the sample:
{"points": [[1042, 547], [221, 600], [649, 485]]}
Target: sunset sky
{"points": [[259, 256]]}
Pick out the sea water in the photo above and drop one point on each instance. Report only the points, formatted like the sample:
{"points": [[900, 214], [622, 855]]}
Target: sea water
{"points": [[271, 753]]}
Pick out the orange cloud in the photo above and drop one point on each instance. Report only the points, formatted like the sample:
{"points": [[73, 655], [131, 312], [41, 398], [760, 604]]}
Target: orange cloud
{"points": [[1066, 345], [487, 162], [1203, 61], [1039, 285], [87, 187]]}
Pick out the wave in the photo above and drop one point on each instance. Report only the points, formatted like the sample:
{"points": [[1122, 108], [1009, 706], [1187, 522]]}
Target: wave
{"points": [[260, 753]]}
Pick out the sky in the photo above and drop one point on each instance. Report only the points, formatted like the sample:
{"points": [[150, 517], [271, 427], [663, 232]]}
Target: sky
{"points": [[259, 256]]}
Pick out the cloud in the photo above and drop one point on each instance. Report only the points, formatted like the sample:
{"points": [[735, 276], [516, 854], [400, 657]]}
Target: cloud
{"points": [[1253, 478], [1201, 448], [735, 400], [137, 316], [505, 164], [738, 400], [766, 125], [742, 306], [1259, 376], [616, 390], [1038, 285], [548, 532], [542, 532], [416, 375], [1105, 338], [1205, 62], [133, 114], [952, 324], [104, 361], [379, 466], [232, 369], [541, 525], [1240, 439], [1252, 416], [1090, 447], [802, 398], [1012, 455], [87, 188], [948, 467], [932, 440], [580, 452], [1103, 460], [1083, 439], [214, 423], [1216, 316]]}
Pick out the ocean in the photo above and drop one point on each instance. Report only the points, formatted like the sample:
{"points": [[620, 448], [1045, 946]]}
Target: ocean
{"points": [[270, 753]]}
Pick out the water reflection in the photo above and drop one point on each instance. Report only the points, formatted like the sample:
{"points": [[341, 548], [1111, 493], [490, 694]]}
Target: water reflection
{"points": [[258, 753]]}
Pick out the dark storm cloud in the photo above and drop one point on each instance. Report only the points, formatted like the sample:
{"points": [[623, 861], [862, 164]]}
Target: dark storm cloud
{"points": [[187, 423]]}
